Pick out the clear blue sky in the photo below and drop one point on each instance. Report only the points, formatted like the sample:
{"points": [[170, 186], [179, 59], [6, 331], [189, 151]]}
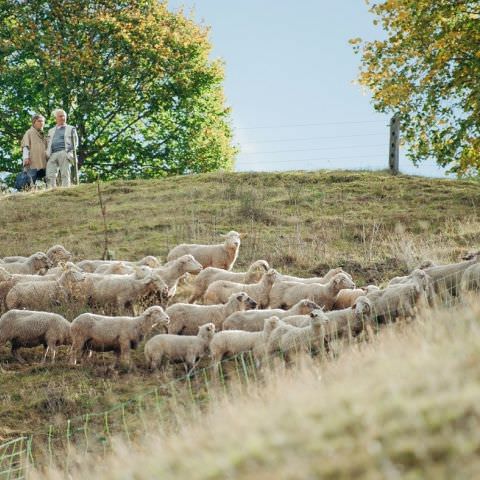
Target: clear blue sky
{"points": [[289, 67]]}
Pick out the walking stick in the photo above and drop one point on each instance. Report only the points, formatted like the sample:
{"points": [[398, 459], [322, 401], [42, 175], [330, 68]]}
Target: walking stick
{"points": [[75, 158]]}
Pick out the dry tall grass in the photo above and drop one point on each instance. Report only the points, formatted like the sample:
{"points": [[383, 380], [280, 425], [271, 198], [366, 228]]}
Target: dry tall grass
{"points": [[404, 406]]}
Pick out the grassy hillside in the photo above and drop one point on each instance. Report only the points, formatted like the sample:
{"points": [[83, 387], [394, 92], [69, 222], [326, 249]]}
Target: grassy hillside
{"points": [[374, 225]]}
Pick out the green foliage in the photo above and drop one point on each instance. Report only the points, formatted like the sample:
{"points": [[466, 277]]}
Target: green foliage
{"points": [[427, 69], [135, 78]]}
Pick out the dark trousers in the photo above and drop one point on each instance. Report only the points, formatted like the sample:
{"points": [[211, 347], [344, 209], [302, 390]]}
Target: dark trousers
{"points": [[36, 174]]}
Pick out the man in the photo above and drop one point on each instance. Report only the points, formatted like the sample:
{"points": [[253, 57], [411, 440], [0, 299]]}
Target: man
{"points": [[34, 146], [62, 139]]}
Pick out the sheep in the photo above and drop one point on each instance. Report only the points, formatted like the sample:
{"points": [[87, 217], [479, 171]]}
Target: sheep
{"points": [[176, 269], [220, 290], [470, 281], [233, 342], [211, 274], [254, 320], [45, 294], [123, 292], [90, 266], [5, 285], [220, 256], [56, 255], [347, 296], [307, 339], [36, 263], [115, 268], [286, 294], [25, 328], [118, 334], [188, 349], [330, 274], [186, 318], [422, 278]]}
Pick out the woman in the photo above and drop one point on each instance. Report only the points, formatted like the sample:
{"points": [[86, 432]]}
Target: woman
{"points": [[34, 145]]}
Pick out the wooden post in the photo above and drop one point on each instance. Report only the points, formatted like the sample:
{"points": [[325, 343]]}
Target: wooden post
{"points": [[394, 144], [75, 159]]}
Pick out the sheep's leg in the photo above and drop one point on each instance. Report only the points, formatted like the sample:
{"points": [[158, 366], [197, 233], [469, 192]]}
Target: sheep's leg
{"points": [[16, 354], [47, 349], [77, 351]]}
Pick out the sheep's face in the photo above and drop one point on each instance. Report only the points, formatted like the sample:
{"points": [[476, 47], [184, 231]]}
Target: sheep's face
{"points": [[58, 254], [155, 316], [362, 307], [421, 278], [341, 281], [41, 261], [271, 276], [206, 331], [318, 318], [190, 265], [271, 324], [245, 302], [73, 275], [149, 261], [307, 306], [232, 239]]}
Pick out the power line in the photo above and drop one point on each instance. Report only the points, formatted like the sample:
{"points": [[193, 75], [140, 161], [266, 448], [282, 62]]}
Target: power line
{"points": [[309, 124], [239, 162], [315, 138], [314, 149]]}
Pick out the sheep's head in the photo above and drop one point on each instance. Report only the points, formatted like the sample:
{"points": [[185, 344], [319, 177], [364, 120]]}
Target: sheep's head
{"points": [[149, 261], [142, 272], [421, 278], [57, 254], [244, 301], [72, 274], [154, 316], [270, 276], [189, 264], [232, 239], [370, 288], [4, 275], [363, 307], [318, 318], [156, 284], [40, 261], [307, 306], [341, 281], [271, 324], [207, 331]]}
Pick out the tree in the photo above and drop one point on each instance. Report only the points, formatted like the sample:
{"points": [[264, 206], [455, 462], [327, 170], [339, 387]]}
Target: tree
{"points": [[428, 69], [135, 78]]}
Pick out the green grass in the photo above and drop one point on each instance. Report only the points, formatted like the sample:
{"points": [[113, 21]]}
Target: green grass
{"points": [[374, 225]]}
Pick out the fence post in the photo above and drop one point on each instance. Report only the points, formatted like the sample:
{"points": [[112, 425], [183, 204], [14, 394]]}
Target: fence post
{"points": [[394, 144]]}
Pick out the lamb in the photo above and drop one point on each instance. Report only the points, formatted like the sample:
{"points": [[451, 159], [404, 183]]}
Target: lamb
{"points": [[118, 334], [470, 281], [330, 274], [35, 264], [220, 290], [90, 266], [254, 320], [186, 318], [56, 254], [211, 274], [46, 294], [220, 256], [188, 349], [24, 328], [123, 292], [232, 342], [286, 294]]}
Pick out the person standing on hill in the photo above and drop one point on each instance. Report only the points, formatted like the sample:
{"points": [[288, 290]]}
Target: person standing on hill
{"points": [[62, 139], [34, 145]]}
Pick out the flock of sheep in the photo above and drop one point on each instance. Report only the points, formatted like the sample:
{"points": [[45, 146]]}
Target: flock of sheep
{"points": [[260, 311]]}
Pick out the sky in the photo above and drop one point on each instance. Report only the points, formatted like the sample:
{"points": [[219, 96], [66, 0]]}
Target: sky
{"points": [[290, 81]]}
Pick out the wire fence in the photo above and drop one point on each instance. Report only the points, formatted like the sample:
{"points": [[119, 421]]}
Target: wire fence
{"points": [[93, 433]]}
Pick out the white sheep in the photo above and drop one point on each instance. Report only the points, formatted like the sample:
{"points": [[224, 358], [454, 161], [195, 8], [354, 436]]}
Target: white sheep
{"points": [[46, 294], [36, 263], [220, 290], [254, 320], [185, 318], [233, 342], [56, 255], [24, 328], [470, 281], [347, 296], [330, 274], [99, 333], [211, 274], [220, 256], [91, 266], [286, 294], [188, 349]]}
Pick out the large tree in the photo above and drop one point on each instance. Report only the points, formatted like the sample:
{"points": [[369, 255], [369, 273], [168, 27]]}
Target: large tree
{"points": [[134, 77], [428, 70]]}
